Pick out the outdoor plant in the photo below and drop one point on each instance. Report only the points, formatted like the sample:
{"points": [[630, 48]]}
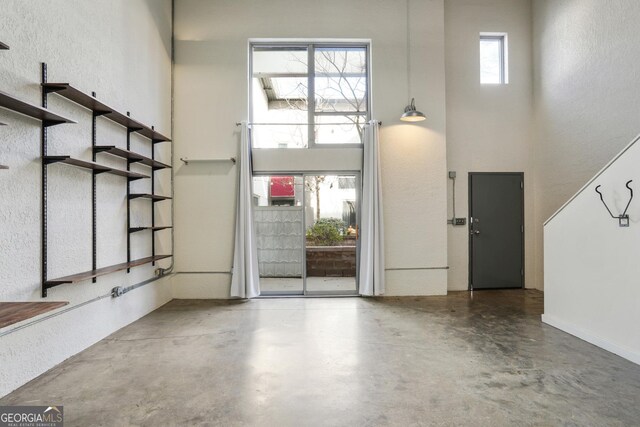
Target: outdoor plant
{"points": [[326, 232]]}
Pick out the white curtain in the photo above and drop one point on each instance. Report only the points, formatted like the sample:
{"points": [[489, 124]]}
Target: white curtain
{"points": [[371, 225], [245, 280]]}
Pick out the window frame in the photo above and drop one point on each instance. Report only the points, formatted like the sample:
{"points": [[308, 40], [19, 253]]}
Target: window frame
{"points": [[502, 38], [311, 46]]}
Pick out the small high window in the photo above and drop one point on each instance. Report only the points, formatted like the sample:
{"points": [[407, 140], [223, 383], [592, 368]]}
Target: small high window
{"points": [[493, 58]]}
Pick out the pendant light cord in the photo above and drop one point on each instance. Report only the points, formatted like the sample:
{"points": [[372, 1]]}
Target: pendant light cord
{"points": [[408, 52]]}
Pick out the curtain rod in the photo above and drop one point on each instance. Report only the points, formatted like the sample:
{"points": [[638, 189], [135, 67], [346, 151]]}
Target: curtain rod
{"points": [[301, 124]]}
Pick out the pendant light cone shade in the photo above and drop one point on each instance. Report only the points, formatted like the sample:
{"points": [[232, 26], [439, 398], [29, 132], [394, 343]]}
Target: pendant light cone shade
{"points": [[411, 114]]}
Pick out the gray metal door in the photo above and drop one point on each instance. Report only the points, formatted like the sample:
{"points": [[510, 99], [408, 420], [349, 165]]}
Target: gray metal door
{"points": [[496, 226]]}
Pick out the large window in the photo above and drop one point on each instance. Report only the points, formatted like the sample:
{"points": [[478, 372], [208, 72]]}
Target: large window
{"points": [[309, 95], [493, 58]]}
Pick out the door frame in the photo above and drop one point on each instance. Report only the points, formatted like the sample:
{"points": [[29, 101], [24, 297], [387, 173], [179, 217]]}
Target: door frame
{"points": [[470, 226]]}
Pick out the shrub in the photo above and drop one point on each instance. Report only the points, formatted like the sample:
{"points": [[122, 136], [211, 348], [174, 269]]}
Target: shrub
{"points": [[326, 232], [334, 222]]}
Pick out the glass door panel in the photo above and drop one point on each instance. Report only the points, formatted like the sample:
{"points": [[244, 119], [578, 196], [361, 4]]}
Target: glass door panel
{"points": [[331, 249], [278, 216]]}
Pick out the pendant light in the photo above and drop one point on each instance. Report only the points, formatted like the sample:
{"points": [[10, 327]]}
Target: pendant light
{"points": [[410, 113]]}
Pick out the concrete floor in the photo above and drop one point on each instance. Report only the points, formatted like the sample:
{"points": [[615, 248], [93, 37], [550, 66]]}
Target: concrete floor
{"points": [[485, 360]]}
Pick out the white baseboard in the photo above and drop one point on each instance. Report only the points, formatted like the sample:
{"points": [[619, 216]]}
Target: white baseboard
{"points": [[629, 354], [401, 283]]}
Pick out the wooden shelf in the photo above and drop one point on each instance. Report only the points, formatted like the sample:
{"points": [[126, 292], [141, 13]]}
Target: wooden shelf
{"points": [[47, 117], [152, 197], [98, 168], [131, 156], [88, 101], [3, 46], [154, 229], [2, 124], [74, 278], [73, 94], [153, 135], [14, 312], [4, 167]]}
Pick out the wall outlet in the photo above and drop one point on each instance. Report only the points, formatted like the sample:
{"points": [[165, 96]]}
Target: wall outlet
{"points": [[460, 221]]}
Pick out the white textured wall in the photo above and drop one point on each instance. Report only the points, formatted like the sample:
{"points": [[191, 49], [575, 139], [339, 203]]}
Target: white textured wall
{"points": [[587, 62], [488, 126], [122, 50], [211, 95], [591, 280]]}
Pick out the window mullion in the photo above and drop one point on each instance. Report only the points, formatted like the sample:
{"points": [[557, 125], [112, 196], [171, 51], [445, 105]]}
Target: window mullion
{"points": [[502, 63], [311, 96]]}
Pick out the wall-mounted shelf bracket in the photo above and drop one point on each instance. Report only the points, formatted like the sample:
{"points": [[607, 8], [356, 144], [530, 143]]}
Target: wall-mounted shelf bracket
{"points": [[623, 219]]}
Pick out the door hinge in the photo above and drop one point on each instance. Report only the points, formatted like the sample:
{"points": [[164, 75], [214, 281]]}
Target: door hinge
{"points": [[522, 185], [522, 271], [522, 228]]}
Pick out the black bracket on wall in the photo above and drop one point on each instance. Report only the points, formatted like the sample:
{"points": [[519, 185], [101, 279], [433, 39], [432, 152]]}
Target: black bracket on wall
{"points": [[623, 219]]}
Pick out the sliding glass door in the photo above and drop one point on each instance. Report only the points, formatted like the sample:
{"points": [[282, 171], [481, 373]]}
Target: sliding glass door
{"points": [[307, 233]]}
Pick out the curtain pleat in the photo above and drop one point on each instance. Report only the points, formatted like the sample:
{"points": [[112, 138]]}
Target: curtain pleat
{"points": [[372, 227], [245, 280]]}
